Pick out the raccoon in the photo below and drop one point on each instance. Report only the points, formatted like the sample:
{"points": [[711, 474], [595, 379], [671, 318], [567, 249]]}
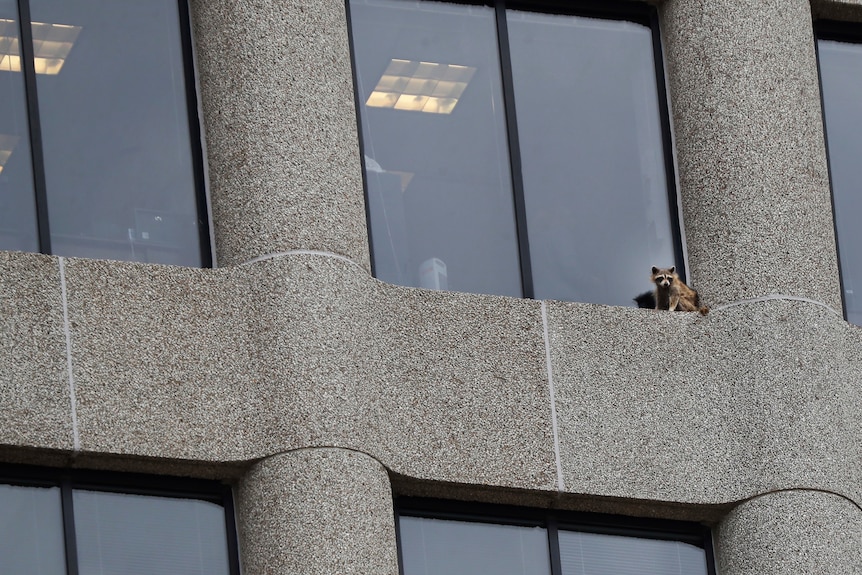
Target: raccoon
{"points": [[671, 293]]}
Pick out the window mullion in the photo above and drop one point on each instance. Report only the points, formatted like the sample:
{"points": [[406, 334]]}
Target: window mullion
{"points": [[554, 547], [514, 150], [70, 539], [28, 68]]}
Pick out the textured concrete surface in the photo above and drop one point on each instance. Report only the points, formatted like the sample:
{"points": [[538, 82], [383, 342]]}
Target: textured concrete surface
{"points": [[239, 363], [678, 407], [791, 532], [34, 384], [236, 364], [157, 352], [317, 511], [277, 93], [750, 148]]}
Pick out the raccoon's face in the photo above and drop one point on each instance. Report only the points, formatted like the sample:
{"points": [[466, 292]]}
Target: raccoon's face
{"points": [[663, 278]]}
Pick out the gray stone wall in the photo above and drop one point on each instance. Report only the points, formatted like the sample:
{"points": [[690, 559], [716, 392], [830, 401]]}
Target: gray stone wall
{"points": [[292, 371]]}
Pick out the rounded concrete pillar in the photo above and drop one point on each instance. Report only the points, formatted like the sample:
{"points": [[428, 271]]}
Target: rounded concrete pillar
{"points": [[791, 532], [751, 153], [317, 511], [282, 141]]}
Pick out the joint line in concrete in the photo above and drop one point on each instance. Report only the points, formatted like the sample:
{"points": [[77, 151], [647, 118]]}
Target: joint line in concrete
{"points": [[67, 330], [561, 485]]}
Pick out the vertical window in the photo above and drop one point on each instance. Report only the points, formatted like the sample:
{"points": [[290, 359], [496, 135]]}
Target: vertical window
{"points": [[515, 150], [112, 524], [436, 541], [99, 149], [839, 49]]}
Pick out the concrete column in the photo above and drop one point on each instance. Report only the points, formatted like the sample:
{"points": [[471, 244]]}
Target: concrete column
{"points": [[791, 532], [282, 145], [317, 511], [751, 154]]}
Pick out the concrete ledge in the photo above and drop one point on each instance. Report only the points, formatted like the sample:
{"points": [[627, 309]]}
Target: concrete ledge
{"points": [[678, 407], [219, 367]]}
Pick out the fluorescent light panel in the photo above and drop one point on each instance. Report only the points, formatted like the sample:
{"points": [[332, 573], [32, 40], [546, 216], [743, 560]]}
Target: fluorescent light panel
{"points": [[51, 46], [421, 86]]}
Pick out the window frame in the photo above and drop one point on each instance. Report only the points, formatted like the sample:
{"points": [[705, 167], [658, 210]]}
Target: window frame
{"points": [[553, 521], [636, 11], [195, 127], [837, 31], [68, 480]]}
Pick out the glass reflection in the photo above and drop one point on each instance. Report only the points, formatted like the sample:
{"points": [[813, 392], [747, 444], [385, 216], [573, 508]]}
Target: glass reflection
{"points": [[443, 547], [436, 161], [31, 531], [18, 228], [595, 554], [117, 146], [841, 79], [592, 155], [145, 535]]}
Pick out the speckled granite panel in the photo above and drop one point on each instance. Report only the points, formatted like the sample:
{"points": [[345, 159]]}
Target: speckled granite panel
{"points": [[277, 92], [159, 354], [35, 405], [750, 146], [791, 532], [678, 407], [437, 385], [238, 363], [317, 511]]}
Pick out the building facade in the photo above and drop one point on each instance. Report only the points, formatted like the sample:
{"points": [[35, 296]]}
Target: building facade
{"points": [[321, 393]]}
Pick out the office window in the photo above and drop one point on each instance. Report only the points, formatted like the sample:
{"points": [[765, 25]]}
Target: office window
{"points": [[440, 538], [839, 49], [100, 150], [517, 151], [77, 523]]}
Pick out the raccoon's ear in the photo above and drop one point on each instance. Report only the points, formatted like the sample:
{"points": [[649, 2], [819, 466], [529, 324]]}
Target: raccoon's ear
{"points": [[672, 269], [654, 270]]}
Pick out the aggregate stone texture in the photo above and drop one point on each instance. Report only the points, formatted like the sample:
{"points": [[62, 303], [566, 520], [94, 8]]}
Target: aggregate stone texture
{"points": [[317, 511], [227, 366], [34, 382], [677, 407], [750, 148], [153, 349], [239, 363], [791, 532], [277, 96]]}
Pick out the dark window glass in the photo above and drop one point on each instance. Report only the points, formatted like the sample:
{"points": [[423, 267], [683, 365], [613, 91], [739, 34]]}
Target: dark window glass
{"points": [[17, 201], [604, 554], [436, 158], [61, 522], [438, 546], [145, 535], [119, 173], [31, 530], [512, 152], [841, 81], [592, 155], [445, 538]]}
